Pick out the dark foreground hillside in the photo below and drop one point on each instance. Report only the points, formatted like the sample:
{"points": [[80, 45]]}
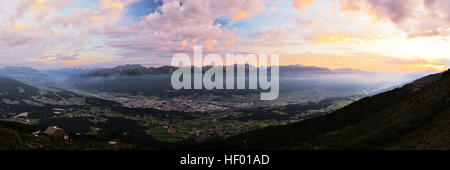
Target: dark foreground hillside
{"points": [[416, 116], [17, 136]]}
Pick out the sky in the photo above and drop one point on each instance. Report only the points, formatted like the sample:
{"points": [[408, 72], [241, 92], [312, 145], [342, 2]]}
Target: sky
{"points": [[376, 35]]}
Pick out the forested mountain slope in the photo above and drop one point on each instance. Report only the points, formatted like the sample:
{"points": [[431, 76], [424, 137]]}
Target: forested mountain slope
{"points": [[415, 116]]}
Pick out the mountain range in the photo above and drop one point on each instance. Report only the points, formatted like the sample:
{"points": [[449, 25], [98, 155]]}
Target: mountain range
{"points": [[26, 75], [136, 69]]}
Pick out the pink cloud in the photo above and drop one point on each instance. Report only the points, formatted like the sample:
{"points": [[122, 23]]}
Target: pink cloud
{"points": [[18, 38], [60, 31], [110, 12], [191, 21], [274, 36], [302, 4], [416, 17]]}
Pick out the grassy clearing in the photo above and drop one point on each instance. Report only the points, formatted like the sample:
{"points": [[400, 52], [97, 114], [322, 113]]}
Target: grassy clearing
{"points": [[10, 102]]}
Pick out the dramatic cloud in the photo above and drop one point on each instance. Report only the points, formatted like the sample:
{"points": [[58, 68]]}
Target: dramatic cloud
{"points": [[416, 17], [51, 30], [302, 4], [59, 33], [178, 24]]}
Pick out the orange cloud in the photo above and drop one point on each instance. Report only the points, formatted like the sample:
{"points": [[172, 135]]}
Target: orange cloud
{"points": [[19, 27], [97, 18], [273, 37], [113, 4], [209, 43], [363, 61], [229, 42], [69, 62], [240, 15], [184, 43], [246, 8], [333, 38], [350, 5], [265, 36], [40, 4], [302, 4]]}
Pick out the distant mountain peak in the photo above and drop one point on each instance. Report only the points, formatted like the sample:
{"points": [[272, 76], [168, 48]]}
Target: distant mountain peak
{"points": [[132, 69], [137, 69], [19, 69], [26, 75], [347, 70], [129, 67]]}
